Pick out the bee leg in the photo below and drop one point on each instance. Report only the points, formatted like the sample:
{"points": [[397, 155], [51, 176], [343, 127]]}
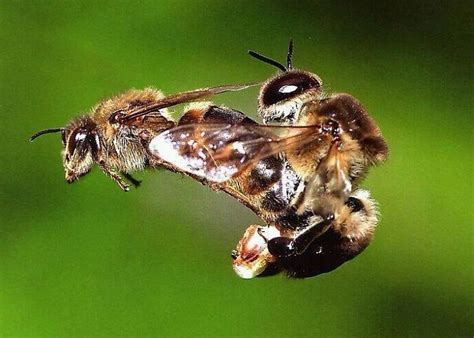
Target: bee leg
{"points": [[136, 183], [284, 246], [115, 176]]}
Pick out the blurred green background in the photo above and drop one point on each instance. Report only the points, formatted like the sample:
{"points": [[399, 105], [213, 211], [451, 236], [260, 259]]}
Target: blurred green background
{"points": [[89, 260]]}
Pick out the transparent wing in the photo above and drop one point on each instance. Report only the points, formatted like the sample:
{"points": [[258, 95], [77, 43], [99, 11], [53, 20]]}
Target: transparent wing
{"points": [[218, 152], [329, 182], [179, 98]]}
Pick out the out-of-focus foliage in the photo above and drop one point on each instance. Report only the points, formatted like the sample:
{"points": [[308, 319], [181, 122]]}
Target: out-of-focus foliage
{"points": [[89, 260]]}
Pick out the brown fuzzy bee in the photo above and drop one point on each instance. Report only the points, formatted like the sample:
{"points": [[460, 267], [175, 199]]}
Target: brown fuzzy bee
{"points": [[300, 176], [116, 133]]}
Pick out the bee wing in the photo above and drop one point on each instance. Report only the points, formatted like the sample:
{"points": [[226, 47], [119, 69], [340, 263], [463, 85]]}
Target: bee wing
{"points": [[218, 152], [183, 97], [330, 181]]}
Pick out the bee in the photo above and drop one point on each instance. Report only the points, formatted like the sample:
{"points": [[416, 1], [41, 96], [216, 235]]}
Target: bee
{"points": [[115, 134], [299, 171]]}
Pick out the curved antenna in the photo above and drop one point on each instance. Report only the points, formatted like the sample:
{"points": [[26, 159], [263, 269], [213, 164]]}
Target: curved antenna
{"points": [[45, 131], [289, 56], [268, 60]]}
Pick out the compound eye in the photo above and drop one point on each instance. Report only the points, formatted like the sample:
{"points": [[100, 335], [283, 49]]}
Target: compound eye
{"points": [[288, 86], [76, 138]]}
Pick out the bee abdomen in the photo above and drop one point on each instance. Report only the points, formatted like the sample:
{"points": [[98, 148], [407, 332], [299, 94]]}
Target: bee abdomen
{"points": [[199, 113], [280, 195], [265, 174]]}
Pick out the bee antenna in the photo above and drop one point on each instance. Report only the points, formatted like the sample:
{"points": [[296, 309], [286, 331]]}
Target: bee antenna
{"points": [[45, 131], [289, 56], [267, 60]]}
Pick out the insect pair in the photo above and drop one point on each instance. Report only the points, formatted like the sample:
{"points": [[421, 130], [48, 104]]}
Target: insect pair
{"points": [[298, 171]]}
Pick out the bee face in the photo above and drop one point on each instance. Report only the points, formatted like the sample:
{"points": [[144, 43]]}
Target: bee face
{"points": [[80, 142], [282, 97]]}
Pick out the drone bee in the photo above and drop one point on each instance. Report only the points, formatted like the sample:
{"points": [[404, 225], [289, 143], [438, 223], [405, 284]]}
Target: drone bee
{"points": [[299, 171], [115, 134]]}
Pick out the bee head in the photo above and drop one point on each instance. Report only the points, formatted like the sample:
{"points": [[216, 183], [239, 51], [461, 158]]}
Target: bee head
{"points": [[81, 144], [283, 95]]}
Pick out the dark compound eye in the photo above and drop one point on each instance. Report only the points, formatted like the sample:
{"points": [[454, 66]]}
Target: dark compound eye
{"points": [[355, 204], [77, 136], [288, 86]]}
